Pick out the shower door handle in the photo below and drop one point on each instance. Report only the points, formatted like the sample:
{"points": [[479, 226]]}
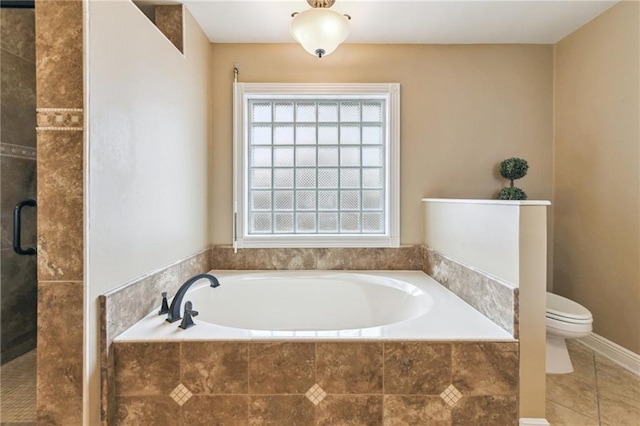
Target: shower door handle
{"points": [[17, 227]]}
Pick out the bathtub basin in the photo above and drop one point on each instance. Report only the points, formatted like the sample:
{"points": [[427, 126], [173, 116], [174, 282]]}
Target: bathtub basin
{"points": [[309, 301], [263, 305]]}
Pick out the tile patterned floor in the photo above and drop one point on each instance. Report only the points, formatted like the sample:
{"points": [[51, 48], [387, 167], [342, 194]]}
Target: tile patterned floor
{"points": [[597, 393], [18, 391]]}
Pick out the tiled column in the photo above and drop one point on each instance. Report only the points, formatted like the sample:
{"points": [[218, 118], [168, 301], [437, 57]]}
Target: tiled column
{"points": [[59, 82]]}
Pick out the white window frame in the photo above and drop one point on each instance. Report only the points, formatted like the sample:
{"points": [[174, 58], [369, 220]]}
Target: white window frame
{"points": [[245, 91]]}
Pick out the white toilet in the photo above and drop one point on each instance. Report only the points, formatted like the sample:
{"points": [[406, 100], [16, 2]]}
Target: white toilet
{"points": [[566, 319]]}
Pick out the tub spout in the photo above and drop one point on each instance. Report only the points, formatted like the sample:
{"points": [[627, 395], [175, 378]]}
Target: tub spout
{"points": [[174, 309]]}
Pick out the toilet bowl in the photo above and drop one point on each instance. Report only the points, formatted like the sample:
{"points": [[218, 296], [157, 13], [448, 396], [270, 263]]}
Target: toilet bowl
{"points": [[565, 319]]}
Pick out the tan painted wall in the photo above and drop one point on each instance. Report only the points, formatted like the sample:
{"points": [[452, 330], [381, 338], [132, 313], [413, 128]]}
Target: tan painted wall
{"points": [[148, 139], [597, 174], [464, 109]]}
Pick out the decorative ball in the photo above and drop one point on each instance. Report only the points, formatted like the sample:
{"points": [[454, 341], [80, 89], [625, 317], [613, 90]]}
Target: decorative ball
{"points": [[514, 168], [512, 193]]}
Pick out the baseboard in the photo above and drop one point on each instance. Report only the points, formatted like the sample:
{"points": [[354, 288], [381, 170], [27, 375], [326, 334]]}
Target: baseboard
{"points": [[623, 357], [534, 422]]}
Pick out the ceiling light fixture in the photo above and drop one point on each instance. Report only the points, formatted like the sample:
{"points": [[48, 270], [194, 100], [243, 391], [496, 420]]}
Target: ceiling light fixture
{"points": [[319, 30]]}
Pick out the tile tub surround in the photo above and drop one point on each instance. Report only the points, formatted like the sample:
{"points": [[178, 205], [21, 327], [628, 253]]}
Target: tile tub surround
{"points": [[222, 257], [126, 305], [316, 383], [404, 258], [493, 298]]}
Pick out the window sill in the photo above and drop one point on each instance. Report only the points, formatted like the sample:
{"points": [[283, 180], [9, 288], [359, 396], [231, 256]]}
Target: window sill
{"points": [[302, 241]]}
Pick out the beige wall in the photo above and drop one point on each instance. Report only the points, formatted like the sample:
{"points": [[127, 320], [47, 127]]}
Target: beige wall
{"points": [[464, 109], [596, 171], [147, 154]]}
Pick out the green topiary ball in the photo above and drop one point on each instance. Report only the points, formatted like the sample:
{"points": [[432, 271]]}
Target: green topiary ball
{"points": [[514, 168], [512, 193]]}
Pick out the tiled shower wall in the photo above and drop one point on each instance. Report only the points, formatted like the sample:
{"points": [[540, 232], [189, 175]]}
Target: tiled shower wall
{"points": [[316, 383], [18, 283]]}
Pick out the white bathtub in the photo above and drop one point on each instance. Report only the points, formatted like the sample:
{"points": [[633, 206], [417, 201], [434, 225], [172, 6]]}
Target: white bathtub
{"points": [[323, 304]]}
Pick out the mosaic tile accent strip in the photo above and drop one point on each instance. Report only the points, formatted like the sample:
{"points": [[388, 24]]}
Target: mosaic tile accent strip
{"points": [[451, 396], [315, 394], [181, 394], [59, 119], [17, 151]]}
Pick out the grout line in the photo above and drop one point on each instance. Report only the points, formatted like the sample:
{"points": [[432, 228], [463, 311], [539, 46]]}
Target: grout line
{"points": [[595, 374], [180, 344], [248, 382], [384, 365], [572, 409], [315, 381]]}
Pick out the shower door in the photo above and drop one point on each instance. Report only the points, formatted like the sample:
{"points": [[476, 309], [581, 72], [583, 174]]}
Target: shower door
{"points": [[18, 281]]}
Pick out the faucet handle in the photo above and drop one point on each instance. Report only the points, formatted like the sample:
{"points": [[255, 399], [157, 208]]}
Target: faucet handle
{"points": [[188, 309], [165, 306], [187, 318]]}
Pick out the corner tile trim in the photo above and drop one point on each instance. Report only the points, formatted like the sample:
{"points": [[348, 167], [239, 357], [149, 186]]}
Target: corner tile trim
{"points": [[17, 151]]}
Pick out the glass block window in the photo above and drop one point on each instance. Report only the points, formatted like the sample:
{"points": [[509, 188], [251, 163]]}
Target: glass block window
{"points": [[316, 166]]}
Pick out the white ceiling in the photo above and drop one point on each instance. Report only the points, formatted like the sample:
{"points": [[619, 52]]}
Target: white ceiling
{"points": [[389, 21]]}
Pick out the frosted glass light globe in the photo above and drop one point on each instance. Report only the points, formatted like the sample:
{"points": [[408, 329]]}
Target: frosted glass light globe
{"points": [[319, 30]]}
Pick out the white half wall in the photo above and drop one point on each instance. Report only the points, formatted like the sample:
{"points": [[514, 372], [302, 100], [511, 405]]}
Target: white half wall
{"points": [[484, 234], [506, 239], [146, 157]]}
